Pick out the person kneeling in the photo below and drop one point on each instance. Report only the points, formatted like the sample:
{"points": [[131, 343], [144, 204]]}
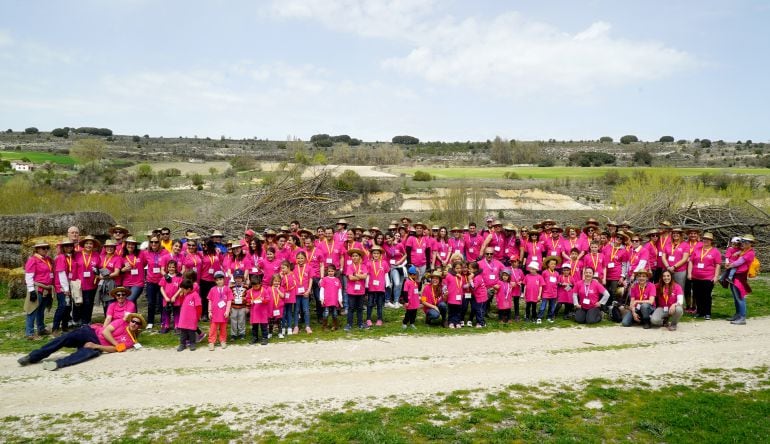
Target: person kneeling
{"points": [[585, 297], [670, 301], [642, 295]]}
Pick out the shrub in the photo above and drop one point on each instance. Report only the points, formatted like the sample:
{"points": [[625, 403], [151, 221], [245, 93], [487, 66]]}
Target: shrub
{"points": [[681, 142], [513, 175], [88, 150], [136, 139], [630, 138], [230, 186], [354, 142], [164, 183], [31, 130], [243, 163], [323, 143], [587, 159], [144, 171], [612, 177], [500, 152], [197, 179], [405, 140], [705, 143], [605, 139], [60, 132], [422, 176], [642, 157], [666, 139], [546, 162]]}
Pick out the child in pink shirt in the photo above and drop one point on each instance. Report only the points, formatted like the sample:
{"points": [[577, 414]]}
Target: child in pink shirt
{"points": [[480, 296], [517, 278], [533, 291], [276, 301], [504, 296], [330, 296], [412, 292], [169, 292], [220, 299], [256, 299], [189, 314], [564, 290]]}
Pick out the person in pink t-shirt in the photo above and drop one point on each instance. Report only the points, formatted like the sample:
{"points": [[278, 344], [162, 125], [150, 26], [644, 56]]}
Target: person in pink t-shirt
{"points": [[257, 300], [220, 299], [564, 290], [189, 315], [276, 301], [703, 271], [533, 291], [642, 300], [120, 307], [330, 296], [504, 296], [39, 277], [480, 291], [517, 279], [412, 292], [550, 288]]}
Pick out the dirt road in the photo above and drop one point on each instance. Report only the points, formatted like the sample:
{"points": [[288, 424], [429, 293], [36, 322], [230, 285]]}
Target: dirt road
{"points": [[398, 365]]}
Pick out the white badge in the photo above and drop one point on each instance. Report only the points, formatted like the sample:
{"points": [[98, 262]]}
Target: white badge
{"points": [[671, 258], [497, 248], [134, 272], [660, 254], [665, 309], [86, 274], [457, 252], [471, 250], [350, 261], [51, 275], [701, 265], [611, 265], [254, 270], [156, 270], [276, 312], [468, 295], [392, 262], [419, 251], [287, 295], [69, 276], [357, 287], [375, 283], [238, 300], [586, 301], [301, 290], [553, 253], [491, 277], [552, 279], [221, 304], [442, 254], [211, 271], [328, 260], [459, 297]]}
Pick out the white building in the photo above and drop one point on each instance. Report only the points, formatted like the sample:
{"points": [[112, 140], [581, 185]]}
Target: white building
{"points": [[25, 167]]}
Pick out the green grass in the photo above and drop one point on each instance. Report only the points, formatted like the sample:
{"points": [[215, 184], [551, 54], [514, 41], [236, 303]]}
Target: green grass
{"points": [[561, 172], [12, 323], [38, 157]]}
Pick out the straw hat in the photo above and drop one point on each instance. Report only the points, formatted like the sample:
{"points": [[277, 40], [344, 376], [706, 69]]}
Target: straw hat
{"points": [[552, 258], [592, 221], [342, 222], [420, 224], [131, 316], [748, 238], [648, 273], [41, 245], [356, 250], [305, 230], [708, 236], [509, 227], [217, 233], [455, 229], [376, 248], [497, 223], [437, 274], [110, 243], [666, 224], [612, 223], [120, 289], [66, 241], [118, 227], [96, 242], [556, 228], [649, 233]]}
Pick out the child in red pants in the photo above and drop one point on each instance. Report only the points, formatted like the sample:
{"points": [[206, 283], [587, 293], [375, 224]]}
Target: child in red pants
{"points": [[220, 298]]}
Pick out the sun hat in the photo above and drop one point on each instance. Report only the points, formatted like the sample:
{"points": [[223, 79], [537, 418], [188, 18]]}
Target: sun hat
{"points": [[96, 242], [120, 289], [217, 233], [118, 227], [506, 271], [66, 241], [437, 274], [552, 258], [534, 265], [648, 273], [708, 236], [748, 238], [357, 251], [110, 243], [420, 224], [41, 245], [131, 316], [735, 240]]}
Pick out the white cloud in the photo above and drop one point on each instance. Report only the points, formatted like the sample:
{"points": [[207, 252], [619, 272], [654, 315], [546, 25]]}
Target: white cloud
{"points": [[508, 54], [5, 38]]}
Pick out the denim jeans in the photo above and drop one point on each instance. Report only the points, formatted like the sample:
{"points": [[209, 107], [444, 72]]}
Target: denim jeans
{"points": [[477, 309], [345, 300], [376, 299], [61, 315], [136, 291], [153, 301], [319, 307], [302, 306], [551, 302], [394, 292], [289, 319], [645, 312], [740, 303], [74, 339], [433, 314], [357, 306], [37, 316]]}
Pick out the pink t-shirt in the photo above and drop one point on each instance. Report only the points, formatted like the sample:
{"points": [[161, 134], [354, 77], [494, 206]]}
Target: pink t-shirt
{"points": [[302, 279], [112, 263], [134, 277], [639, 293], [288, 288], [473, 246], [154, 261], [431, 296], [675, 254], [490, 272], [189, 311], [270, 269], [554, 247], [218, 302], [504, 296], [275, 302], [211, 264], [193, 261], [412, 295], [116, 310], [704, 263], [119, 333], [378, 270], [170, 288], [42, 268], [419, 251], [331, 291], [456, 287], [588, 295], [613, 261], [85, 269], [669, 297], [532, 285], [594, 261], [62, 263], [259, 305], [564, 291], [551, 284], [355, 288], [479, 289]]}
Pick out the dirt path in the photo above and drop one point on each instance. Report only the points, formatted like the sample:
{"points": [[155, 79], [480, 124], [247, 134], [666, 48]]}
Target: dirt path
{"points": [[399, 365]]}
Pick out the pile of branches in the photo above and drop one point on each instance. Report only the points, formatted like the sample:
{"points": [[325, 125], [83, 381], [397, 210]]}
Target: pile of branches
{"points": [[310, 200]]}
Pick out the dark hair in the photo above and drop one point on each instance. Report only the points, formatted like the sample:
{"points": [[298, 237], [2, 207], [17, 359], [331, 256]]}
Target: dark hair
{"points": [[186, 284], [255, 279], [191, 274], [210, 247]]}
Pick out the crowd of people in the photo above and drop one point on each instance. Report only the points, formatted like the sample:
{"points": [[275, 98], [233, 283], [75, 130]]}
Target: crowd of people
{"points": [[272, 283]]}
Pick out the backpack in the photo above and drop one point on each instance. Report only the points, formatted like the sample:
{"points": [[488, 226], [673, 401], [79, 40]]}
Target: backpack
{"points": [[754, 268]]}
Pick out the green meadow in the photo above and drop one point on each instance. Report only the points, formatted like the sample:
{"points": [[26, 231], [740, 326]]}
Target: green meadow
{"points": [[38, 157]]}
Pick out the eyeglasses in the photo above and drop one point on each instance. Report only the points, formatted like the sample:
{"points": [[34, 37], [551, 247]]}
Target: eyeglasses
{"points": [[154, 242], [489, 254], [165, 233], [120, 295], [136, 321]]}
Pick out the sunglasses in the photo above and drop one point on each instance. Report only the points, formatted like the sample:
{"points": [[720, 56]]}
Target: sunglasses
{"points": [[120, 295], [165, 234], [635, 240], [154, 242], [489, 254], [136, 321]]}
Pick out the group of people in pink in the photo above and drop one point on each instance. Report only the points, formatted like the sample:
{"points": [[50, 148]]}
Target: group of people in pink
{"points": [[265, 284]]}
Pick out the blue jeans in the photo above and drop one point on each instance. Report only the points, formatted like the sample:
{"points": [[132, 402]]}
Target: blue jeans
{"points": [[37, 316], [433, 315], [303, 306], [74, 339], [61, 315], [376, 299], [289, 319], [345, 300], [357, 306], [319, 307], [477, 310], [394, 292], [740, 303], [136, 291], [153, 301], [551, 308]]}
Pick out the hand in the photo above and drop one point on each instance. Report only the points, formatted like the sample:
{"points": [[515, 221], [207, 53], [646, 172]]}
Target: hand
{"points": [[598, 304], [91, 346]]}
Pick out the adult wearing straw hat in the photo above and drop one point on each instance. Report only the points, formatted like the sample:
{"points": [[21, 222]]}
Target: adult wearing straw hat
{"points": [[703, 270], [641, 300], [61, 280], [87, 260], [739, 287], [90, 341], [39, 277]]}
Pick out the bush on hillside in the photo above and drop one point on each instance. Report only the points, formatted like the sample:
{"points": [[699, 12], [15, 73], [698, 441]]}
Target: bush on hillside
{"points": [[422, 176], [630, 138]]}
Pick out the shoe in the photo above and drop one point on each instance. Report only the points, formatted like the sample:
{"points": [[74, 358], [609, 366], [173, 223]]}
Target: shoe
{"points": [[379, 323], [43, 332], [280, 335], [646, 326], [363, 327], [32, 338], [163, 330], [414, 327], [344, 312], [539, 321], [469, 324], [50, 365], [707, 317], [296, 330], [24, 360], [192, 347], [388, 305], [452, 326], [672, 328], [739, 321], [200, 337], [550, 320], [479, 326], [224, 345], [253, 341], [516, 319], [460, 325], [289, 331], [368, 322], [180, 348], [397, 305], [149, 327], [308, 330], [732, 318], [403, 326], [211, 346], [348, 328], [264, 341]]}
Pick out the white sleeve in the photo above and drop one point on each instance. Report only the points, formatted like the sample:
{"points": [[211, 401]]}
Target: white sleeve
{"points": [[575, 299], [63, 281], [29, 279]]}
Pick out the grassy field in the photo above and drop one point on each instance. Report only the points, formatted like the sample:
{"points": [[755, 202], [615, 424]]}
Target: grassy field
{"points": [[561, 172], [12, 322], [38, 157], [715, 406]]}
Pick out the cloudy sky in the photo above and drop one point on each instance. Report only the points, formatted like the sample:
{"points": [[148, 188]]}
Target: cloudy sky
{"points": [[434, 69]]}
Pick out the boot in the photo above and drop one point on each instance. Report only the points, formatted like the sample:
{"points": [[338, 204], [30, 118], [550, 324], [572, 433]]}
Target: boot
{"points": [[325, 325], [335, 324]]}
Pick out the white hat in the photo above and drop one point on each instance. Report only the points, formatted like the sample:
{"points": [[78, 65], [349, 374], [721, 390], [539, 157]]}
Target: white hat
{"points": [[534, 265], [735, 239]]}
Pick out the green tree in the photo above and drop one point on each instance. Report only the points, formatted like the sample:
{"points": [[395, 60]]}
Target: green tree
{"points": [[197, 180], [605, 139], [500, 152], [60, 132], [666, 139], [705, 143], [88, 150], [630, 138], [31, 130], [405, 140], [642, 157]]}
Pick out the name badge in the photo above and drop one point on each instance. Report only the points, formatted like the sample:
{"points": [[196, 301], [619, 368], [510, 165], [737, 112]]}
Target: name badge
{"points": [[459, 297], [357, 287], [497, 248], [375, 283], [468, 295], [419, 251], [701, 265], [442, 254], [301, 290], [238, 300], [211, 271], [471, 250], [586, 301], [553, 253], [86, 274], [552, 279], [349, 262], [221, 304], [491, 277], [69, 276], [134, 272], [50, 275], [611, 265], [457, 251], [671, 258], [392, 262], [156, 270], [276, 312], [328, 260], [254, 270], [665, 309], [286, 295]]}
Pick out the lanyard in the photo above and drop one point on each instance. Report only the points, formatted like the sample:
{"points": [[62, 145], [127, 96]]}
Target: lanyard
{"points": [[106, 261], [665, 294], [47, 264], [692, 247], [641, 291], [301, 270], [69, 263], [130, 262], [86, 262], [374, 268], [276, 296], [595, 262], [221, 293]]}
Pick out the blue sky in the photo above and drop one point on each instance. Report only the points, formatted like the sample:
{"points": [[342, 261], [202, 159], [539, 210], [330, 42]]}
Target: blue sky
{"points": [[437, 70]]}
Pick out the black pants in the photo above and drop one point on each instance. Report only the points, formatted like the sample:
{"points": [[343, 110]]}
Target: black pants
{"points": [[255, 331], [567, 308], [531, 310], [356, 305], [701, 290], [206, 286], [82, 314], [505, 314], [689, 294], [410, 317], [76, 338], [516, 301], [612, 287], [187, 336], [591, 316]]}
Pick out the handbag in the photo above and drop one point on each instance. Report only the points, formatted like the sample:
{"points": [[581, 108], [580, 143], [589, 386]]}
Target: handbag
{"points": [[76, 291]]}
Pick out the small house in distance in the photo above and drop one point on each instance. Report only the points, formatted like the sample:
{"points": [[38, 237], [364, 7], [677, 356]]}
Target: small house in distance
{"points": [[25, 167]]}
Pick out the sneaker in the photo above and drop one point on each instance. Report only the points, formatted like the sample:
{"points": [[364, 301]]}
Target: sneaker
{"points": [[224, 345], [289, 331], [149, 327], [363, 327], [479, 326], [397, 305], [469, 324], [672, 328], [707, 317], [348, 328], [308, 330], [180, 348], [452, 326], [539, 321], [50, 365], [368, 322], [264, 341], [732, 318], [192, 347], [414, 327], [296, 330], [460, 325], [211, 347], [253, 341], [43, 332], [646, 326], [739, 321], [379, 323], [388, 305], [403, 326], [280, 336], [550, 320], [24, 360], [516, 319], [200, 337], [344, 312]]}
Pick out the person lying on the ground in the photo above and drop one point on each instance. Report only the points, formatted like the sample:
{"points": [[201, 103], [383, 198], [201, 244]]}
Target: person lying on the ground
{"points": [[90, 341]]}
